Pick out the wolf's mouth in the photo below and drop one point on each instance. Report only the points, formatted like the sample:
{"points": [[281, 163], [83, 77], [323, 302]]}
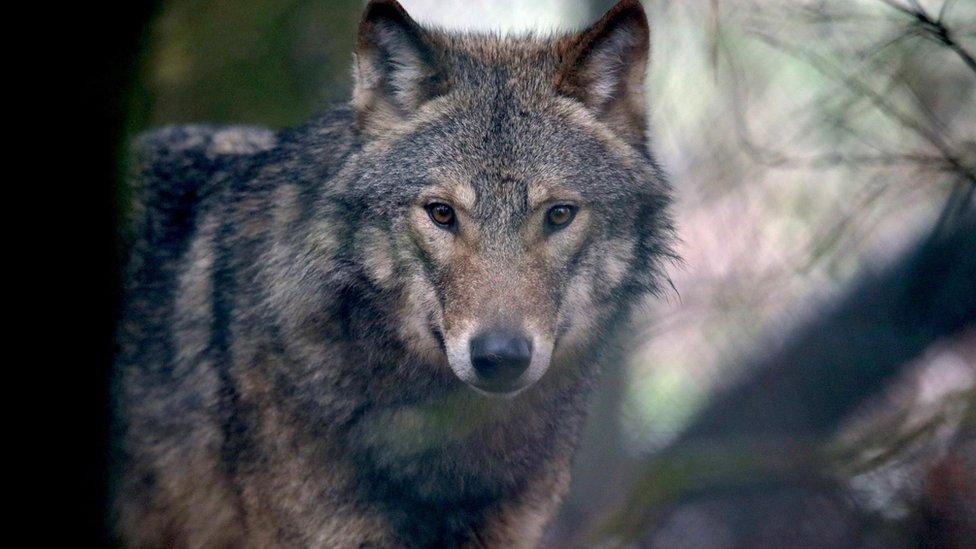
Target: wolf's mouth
{"points": [[504, 390]]}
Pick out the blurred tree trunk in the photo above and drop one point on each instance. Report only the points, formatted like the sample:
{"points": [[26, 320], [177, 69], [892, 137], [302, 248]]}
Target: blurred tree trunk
{"points": [[753, 460], [843, 358]]}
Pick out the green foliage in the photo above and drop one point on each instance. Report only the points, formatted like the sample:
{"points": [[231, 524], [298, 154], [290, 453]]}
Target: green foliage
{"points": [[265, 62]]}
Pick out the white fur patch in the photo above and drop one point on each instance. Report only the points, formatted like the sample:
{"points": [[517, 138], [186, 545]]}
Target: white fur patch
{"points": [[458, 346]]}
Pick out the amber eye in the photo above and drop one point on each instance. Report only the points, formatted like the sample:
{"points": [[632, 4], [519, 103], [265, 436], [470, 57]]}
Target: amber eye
{"points": [[442, 214], [559, 216]]}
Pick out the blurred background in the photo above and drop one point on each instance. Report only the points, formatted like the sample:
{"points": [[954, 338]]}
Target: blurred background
{"points": [[810, 381]]}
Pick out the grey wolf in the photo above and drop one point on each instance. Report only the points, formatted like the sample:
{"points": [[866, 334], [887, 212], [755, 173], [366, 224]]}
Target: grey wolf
{"points": [[380, 328]]}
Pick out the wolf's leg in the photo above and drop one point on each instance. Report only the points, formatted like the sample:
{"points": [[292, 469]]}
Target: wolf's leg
{"points": [[187, 507], [521, 523]]}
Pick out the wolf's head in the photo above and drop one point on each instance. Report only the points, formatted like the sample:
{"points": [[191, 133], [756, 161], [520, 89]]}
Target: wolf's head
{"points": [[513, 209]]}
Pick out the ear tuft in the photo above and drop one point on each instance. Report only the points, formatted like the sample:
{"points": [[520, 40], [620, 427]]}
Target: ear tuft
{"points": [[604, 68], [395, 70]]}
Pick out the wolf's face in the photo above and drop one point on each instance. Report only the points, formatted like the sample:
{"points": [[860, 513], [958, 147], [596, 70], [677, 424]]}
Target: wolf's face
{"points": [[514, 209], [496, 250]]}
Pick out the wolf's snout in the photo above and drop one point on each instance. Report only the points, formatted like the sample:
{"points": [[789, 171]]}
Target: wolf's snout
{"points": [[500, 357]]}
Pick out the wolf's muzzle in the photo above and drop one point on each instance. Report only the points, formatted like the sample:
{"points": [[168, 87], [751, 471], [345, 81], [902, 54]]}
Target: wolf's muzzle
{"points": [[499, 358]]}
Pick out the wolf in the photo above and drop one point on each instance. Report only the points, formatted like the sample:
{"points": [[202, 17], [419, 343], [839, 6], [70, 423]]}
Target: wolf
{"points": [[380, 328]]}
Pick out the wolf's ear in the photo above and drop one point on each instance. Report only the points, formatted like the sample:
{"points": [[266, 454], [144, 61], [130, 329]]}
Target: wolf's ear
{"points": [[604, 68], [395, 69]]}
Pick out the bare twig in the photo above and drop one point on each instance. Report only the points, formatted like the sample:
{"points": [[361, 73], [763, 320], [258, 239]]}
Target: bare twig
{"points": [[936, 29], [825, 67]]}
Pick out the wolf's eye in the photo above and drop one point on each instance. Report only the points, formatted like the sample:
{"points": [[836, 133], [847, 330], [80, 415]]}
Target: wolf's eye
{"points": [[559, 216], [442, 214]]}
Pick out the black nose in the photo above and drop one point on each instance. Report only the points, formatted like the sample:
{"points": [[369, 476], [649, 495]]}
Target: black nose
{"points": [[500, 357]]}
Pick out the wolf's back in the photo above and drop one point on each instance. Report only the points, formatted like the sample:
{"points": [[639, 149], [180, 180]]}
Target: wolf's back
{"points": [[177, 166], [176, 169]]}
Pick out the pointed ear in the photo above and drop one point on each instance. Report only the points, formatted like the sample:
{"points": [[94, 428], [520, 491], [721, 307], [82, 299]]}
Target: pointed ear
{"points": [[604, 68], [395, 70]]}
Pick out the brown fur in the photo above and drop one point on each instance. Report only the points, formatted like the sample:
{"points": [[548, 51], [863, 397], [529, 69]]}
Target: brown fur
{"points": [[293, 366]]}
